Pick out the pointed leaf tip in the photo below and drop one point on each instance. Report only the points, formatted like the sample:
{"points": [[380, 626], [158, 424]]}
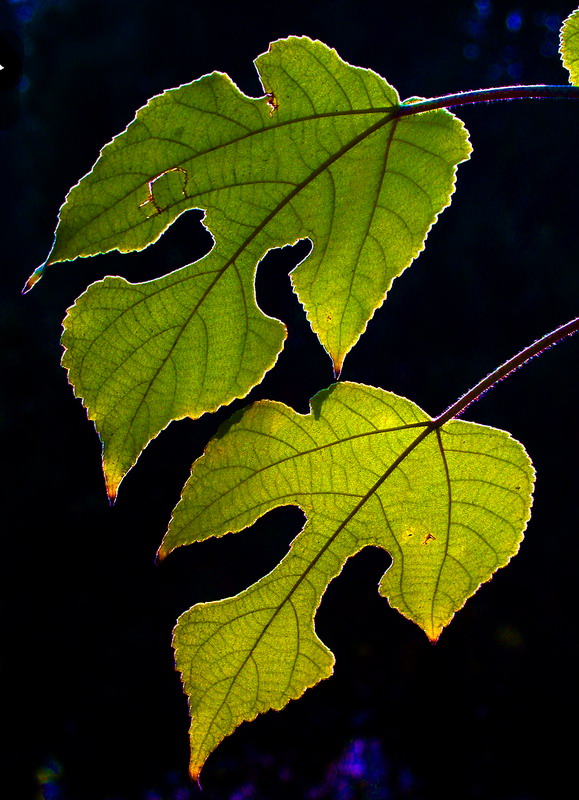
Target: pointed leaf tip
{"points": [[195, 773], [112, 487], [34, 278], [162, 554], [432, 636]]}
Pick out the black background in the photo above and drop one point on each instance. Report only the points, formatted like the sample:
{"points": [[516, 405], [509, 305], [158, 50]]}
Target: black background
{"points": [[92, 708]]}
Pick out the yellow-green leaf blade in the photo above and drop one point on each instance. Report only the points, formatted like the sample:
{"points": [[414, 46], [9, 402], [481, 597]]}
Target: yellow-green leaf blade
{"points": [[569, 47], [483, 504], [322, 156], [251, 653], [142, 355], [385, 194], [155, 169], [367, 468]]}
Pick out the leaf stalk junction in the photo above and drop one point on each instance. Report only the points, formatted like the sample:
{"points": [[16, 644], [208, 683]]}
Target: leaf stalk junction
{"points": [[505, 369], [536, 92]]}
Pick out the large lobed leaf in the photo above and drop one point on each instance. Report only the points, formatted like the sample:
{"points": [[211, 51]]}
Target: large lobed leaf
{"points": [[321, 156], [569, 48], [449, 504]]}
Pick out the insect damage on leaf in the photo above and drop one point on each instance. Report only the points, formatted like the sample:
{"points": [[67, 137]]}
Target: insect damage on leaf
{"points": [[321, 156], [367, 467], [272, 101], [165, 190]]}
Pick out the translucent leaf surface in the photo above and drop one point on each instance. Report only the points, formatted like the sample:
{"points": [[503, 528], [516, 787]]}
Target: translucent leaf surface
{"points": [[321, 156], [570, 46], [367, 467]]}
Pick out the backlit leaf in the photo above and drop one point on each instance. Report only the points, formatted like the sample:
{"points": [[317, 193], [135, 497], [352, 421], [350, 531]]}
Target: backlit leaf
{"points": [[367, 467], [570, 46], [323, 156]]}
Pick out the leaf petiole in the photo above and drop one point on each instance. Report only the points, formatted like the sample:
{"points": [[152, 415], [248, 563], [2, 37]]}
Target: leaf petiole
{"points": [[514, 363], [538, 92]]}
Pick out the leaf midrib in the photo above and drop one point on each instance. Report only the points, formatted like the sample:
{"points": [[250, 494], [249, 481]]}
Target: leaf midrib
{"points": [[300, 454], [390, 111], [243, 246]]}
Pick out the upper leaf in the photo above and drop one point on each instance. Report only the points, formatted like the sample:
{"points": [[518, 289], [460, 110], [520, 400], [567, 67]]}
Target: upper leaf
{"points": [[569, 48], [449, 504], [322, 156]]}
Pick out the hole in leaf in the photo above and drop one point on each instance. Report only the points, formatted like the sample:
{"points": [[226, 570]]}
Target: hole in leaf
{"points": [[166, 190]]}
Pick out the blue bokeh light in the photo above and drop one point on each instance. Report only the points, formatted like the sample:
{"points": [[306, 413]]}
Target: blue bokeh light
{"points": [[25, 9], [552, 22], [514, 21], [471, 51], [483, 7]]}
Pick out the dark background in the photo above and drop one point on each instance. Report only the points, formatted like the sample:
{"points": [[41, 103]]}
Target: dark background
{"points": [[92, 708]]}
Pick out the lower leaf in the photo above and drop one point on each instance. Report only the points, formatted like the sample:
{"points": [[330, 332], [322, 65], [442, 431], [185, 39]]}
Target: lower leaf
{"points": [[449, 503]]}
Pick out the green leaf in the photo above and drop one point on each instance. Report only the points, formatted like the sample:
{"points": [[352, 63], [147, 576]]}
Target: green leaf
{"points": [[569, 47], [141, 356], [321, 156], [367, 467]]}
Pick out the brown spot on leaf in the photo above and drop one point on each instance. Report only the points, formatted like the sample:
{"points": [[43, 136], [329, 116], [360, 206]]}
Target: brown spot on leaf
{"points": [[272, 103]]}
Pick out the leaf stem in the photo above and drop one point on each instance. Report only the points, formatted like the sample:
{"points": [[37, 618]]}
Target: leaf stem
{"points": [[514, 363], [540, 91]]}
